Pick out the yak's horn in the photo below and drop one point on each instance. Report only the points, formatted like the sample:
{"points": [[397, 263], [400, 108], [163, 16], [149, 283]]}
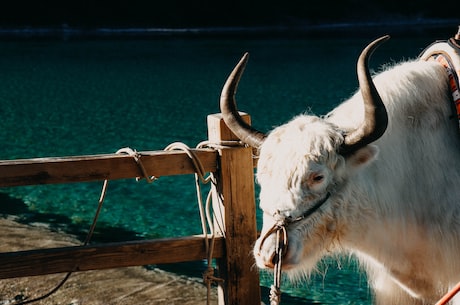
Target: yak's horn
{"points": [[375, 115], [230, 114]]}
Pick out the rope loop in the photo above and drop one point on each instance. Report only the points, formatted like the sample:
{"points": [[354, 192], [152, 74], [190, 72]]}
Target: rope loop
{"points": [[224, 144], [205, 209], [281, 244], [280, 247], [137, 158], [199, 168]]}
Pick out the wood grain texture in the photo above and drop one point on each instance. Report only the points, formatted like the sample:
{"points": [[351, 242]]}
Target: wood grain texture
{"points": [[100, 167], [105, 256]]}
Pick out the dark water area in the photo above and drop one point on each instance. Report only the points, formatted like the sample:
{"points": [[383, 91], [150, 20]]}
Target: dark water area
{"points": [[86, 95]]}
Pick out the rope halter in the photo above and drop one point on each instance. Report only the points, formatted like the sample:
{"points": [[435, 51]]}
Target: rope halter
{"points": [[281, 245]]}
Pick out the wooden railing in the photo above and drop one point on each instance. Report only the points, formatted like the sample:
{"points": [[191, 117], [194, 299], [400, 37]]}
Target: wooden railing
{"points": [[233, 167]]}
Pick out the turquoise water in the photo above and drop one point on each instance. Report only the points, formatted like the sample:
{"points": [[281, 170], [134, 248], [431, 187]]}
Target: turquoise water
{"points": [[76, 97]]}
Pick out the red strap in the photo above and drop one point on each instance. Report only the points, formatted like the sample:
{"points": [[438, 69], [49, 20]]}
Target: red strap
{"points": [[453, 81]]}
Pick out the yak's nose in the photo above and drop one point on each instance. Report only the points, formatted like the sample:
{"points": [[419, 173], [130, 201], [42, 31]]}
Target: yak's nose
{"points": [[268, 258], [271, 261], [272, 247]]}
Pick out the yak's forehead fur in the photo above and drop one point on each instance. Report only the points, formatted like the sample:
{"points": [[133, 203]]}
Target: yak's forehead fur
{"points": [[304, 139], [291, 152]]}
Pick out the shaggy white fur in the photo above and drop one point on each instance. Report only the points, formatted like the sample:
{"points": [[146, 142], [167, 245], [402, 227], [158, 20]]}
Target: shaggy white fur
{"points": [[394, 204]]}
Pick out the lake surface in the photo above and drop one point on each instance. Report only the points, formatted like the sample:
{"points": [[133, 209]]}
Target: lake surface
{"points": [[61, 97]]}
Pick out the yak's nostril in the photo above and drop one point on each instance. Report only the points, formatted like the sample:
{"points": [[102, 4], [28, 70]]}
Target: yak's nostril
{"points": [[268, 259], [272, 261], [269, 264]]}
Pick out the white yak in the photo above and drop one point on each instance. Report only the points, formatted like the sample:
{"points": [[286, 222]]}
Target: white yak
{"points": [[378, 177]]}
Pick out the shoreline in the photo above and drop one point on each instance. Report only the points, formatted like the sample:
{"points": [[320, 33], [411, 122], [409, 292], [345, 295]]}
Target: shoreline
{"points": [[131, 285], [353, 28]]}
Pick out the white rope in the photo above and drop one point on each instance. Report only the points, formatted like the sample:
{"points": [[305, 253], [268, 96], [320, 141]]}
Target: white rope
{"points": [[275, 288], [206, 216], [204, 209], [137, 157], [281, 244]]}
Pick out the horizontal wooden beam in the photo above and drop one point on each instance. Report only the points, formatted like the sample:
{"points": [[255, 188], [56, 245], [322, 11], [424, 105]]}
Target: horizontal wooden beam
{"points": [[105, 256], [101, 167]]}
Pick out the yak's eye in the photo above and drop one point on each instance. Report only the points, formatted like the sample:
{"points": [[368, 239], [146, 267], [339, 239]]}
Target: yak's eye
{"points": [[317, 178], [314, 179]]}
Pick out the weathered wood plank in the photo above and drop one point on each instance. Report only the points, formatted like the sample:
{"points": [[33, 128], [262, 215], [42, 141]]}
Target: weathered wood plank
{"points": [[105, 256], [100, 167], [236, 182], [238, 193]]}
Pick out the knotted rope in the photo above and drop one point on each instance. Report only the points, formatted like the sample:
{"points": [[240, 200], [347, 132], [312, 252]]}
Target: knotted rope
{"points": [[205, 210], [137, 158], [281, 244], [280, 247]]}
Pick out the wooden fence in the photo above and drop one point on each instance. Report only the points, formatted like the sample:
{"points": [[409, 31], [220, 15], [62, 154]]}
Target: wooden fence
{"points": [[234, 168]]}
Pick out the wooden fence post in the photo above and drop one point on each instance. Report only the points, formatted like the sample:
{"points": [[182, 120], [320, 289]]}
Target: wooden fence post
{"points": [[236, 187]]}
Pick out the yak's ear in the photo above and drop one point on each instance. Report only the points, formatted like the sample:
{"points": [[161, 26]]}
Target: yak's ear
{"points": [[362, 156]]}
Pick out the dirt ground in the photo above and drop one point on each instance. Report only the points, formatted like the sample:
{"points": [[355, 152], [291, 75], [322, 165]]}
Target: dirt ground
{"points": [[134, 285]]}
